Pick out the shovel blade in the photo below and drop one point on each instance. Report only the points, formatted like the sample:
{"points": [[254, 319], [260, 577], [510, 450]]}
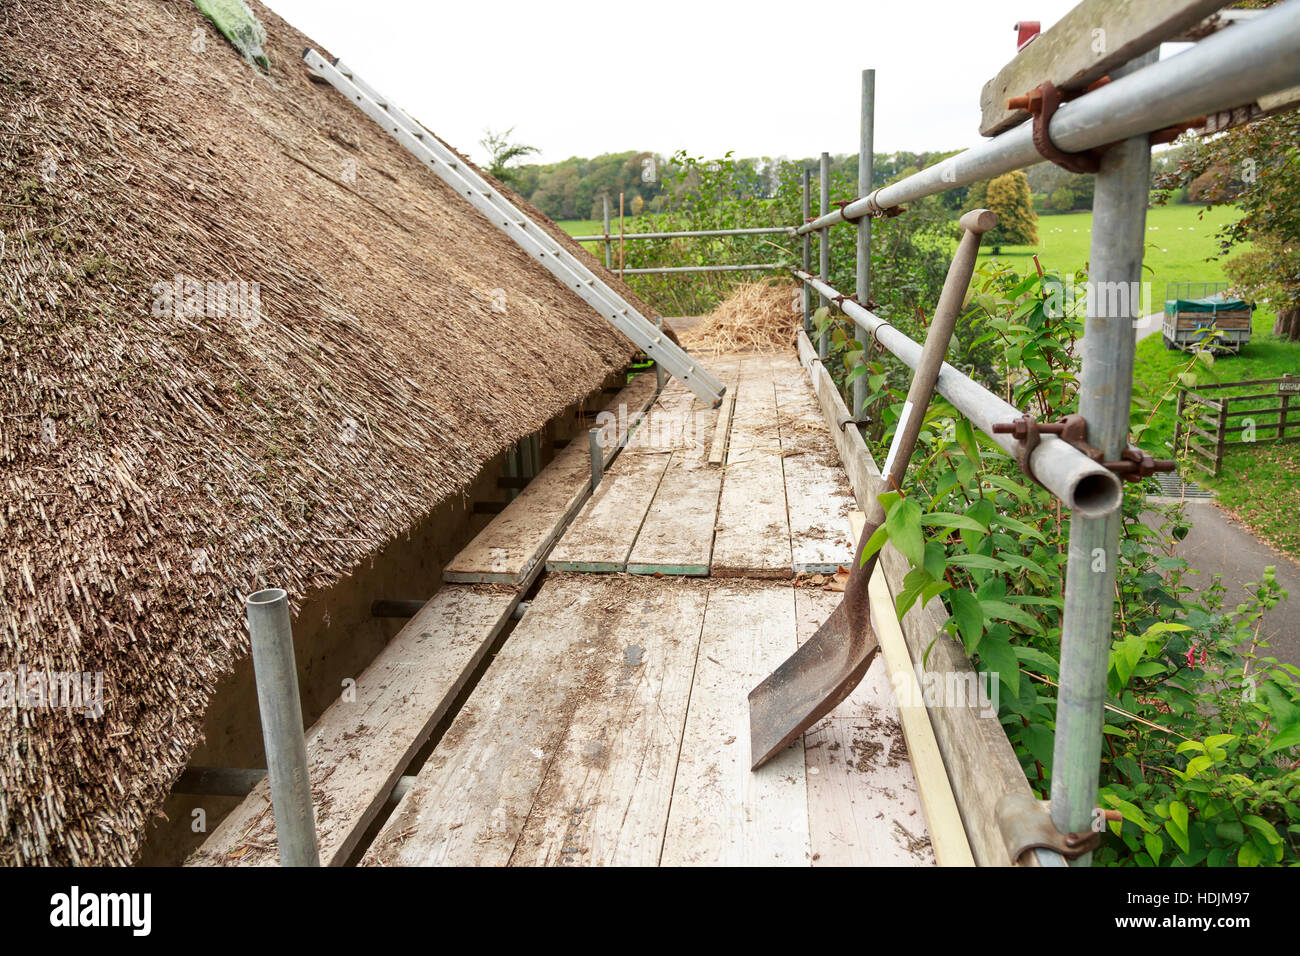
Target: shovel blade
{"points": [[810, 684]]}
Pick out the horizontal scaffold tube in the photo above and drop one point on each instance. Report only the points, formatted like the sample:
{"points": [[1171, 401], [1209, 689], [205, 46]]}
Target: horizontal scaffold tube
{"points": [[1081, 483], [631, 236], [664, 270], [1228, 69]]}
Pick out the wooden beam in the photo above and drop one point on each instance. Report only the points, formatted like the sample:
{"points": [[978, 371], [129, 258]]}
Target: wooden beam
{"points": [[1213, 24], [606, 795], [718, 447], [947, 833], [817, 492], [1092, 39], [863, 805], [601, 537], [753, 532], [848, 441], [724, 814], [471, 798], [677, 534]]}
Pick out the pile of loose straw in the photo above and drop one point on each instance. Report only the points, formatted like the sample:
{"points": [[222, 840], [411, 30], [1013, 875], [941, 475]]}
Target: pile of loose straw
{"points": [[757, 317]]}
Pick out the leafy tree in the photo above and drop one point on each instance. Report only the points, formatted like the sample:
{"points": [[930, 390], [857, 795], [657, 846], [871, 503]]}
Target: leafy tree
{"points": [[1047, 179], [503, 154], [1009, 197], [1256, 167], [1062, 199]]}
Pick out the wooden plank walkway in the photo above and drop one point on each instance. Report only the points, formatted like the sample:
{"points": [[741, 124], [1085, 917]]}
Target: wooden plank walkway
{"points": [[612, 726], [363, 742], [508, 549], [612, 729], [775, 505], [818, 495], [676, 535]]}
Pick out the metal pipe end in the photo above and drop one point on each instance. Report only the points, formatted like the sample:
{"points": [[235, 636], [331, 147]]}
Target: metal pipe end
{"points": [[1096, 494], [267, 596]]}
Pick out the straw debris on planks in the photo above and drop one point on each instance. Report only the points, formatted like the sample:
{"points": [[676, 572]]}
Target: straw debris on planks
{"points": [[160, 457], [756, 317]]}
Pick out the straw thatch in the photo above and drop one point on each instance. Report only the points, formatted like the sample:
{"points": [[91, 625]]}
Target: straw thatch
{"points": [[754, 317], [161, 457]]}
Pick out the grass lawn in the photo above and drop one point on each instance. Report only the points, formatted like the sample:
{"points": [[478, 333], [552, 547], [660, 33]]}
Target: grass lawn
{"points": [[1267, 501], [1179, 241], [587, 227], [1260, 484]]}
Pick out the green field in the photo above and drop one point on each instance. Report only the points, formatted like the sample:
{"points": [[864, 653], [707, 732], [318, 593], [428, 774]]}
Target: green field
{"points": [[1179, 242], [586, 227], [1156, 371]]}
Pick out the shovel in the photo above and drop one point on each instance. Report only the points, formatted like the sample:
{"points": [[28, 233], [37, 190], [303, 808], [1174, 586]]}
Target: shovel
{"points": [[826, 668]]}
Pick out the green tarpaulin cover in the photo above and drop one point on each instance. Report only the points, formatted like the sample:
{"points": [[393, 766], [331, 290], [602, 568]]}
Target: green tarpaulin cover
{"points": [[238, 25], [1174, 306]]}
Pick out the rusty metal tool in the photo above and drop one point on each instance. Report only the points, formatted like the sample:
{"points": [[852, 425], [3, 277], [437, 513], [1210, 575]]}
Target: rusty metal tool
{"points": [[824, 671]]}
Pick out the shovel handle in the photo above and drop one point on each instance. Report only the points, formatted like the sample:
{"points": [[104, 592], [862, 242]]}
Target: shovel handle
{"points": [[974, 224]]}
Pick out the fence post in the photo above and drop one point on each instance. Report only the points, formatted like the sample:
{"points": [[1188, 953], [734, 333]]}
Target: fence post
{"points": [[866, 158], [609, 260], [1105, 395], [1281, 412], [1221, 435], [824, 246], [807, 251], [276, 677]]}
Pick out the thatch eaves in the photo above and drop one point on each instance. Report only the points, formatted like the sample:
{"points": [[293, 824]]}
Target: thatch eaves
{"points": [[169, 441]]}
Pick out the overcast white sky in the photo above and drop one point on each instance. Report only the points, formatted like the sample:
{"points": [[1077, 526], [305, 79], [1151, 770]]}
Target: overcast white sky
{"points": [[700, 75]]}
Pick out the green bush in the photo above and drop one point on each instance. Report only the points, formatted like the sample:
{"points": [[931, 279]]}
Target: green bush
{"points": [[1202, 730]]}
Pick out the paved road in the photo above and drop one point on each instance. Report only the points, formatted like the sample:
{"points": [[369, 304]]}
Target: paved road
{"points": [[1148, 325], [1218, 544]]}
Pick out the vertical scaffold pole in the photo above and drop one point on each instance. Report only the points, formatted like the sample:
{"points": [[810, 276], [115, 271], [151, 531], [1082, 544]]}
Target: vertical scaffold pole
{"points": [[596, 447], [609, 258], [512, 470], [824, 246], [276, 676], [807, 250], [1105, 391], [866, 158], [661, 378]]}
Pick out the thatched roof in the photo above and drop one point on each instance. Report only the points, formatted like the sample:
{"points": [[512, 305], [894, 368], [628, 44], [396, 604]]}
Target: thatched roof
{"points": [[157, 462]]}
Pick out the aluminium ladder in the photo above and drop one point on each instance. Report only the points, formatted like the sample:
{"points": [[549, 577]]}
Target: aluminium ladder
{"points": [[534, 240]]}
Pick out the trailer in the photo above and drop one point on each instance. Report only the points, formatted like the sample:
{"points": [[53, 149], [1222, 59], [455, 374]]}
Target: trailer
{"points": [[1197, 311]]}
